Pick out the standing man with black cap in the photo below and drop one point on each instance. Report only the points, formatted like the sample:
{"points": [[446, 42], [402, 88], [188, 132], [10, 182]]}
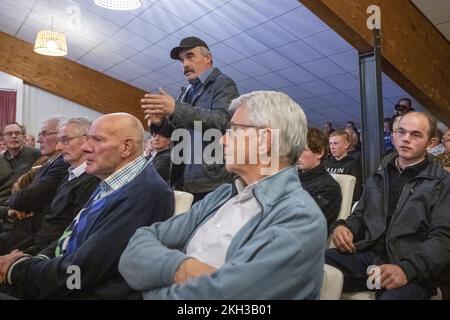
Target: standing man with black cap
{"points": [[207, 100]]}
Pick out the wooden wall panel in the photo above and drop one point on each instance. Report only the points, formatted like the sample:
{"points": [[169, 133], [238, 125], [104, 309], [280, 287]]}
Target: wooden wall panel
{"points": [[68, 79], [415, 54]]}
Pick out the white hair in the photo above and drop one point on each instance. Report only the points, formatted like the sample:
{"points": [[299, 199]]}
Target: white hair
{"points": [[278, 111], [82, 124], [206, 52], [56, 120]]}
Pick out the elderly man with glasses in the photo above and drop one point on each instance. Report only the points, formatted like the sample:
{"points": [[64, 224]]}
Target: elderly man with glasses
{"points": [[72, 193], [262, 237], [28, 205]]}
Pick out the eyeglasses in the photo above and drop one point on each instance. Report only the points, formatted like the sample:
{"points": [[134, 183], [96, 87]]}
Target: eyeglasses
{"points": [[65, 140], [45, 134], [12, 133]]}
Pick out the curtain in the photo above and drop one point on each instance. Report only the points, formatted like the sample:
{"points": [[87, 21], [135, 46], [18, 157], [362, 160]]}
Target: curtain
{"points": [[7, 107]]}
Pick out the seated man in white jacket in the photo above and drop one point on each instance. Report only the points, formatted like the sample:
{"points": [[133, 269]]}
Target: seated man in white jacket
{"points": [[262, 237]]}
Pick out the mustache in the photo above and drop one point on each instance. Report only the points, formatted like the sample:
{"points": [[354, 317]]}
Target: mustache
{"points": [[188, 69]]}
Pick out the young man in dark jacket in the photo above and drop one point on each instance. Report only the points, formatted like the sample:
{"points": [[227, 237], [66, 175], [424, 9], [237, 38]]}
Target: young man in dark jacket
{"points": [[341, 163], [401, 224], [203, 105], [315, 179], [83, 263]]}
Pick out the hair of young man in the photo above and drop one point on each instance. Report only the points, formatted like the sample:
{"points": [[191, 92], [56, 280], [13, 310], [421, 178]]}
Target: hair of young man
{"points": [[317, 142], [340, 133]]}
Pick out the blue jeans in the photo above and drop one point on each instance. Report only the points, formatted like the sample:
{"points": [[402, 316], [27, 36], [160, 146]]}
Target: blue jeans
{"points": [[354, 268]]}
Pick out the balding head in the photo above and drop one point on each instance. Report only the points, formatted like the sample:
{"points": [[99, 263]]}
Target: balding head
{"points": [[115, 140], [413, 136], [125, 126]]}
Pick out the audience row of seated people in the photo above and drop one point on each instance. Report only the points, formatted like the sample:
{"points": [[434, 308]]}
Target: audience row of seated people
{"points": [[240, 238]]}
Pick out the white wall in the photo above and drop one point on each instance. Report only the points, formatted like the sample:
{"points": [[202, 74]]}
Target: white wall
{"points": [[9, 82], [39, 104]]}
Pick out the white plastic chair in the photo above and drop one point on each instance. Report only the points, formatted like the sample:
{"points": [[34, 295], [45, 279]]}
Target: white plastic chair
{"points": [[332, 283], [347, 184], [183, 201]]}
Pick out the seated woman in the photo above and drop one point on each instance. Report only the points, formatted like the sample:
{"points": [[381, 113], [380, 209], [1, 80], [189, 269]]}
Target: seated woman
{"points": [[314, 177]]}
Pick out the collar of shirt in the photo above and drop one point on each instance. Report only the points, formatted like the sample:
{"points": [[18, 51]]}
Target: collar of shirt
{"points": [[211, 240], [122, 176], [244, 191], [76, 172], [204, 75], [53, 158], [414, 168], [8, 157], [156, 153]]}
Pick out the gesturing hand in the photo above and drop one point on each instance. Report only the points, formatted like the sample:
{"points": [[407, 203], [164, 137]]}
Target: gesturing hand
{"points": [[160, 104]]}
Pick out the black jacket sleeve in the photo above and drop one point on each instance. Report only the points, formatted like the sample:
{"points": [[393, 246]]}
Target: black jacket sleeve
{"points": [[41, 191], [216, 115], [162, 164]]}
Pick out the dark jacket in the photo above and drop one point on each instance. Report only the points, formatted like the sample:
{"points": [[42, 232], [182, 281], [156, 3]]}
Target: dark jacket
{"points": [[324, 189], [346, 165], [418, 237], [11, 170], [162, 163], [100, 245], [70, 198], [38, 195], [210, 106], [43, 188]]}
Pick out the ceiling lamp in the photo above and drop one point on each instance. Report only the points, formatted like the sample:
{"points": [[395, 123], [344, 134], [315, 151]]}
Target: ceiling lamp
{"points": [[119, 4], [50, 43]]}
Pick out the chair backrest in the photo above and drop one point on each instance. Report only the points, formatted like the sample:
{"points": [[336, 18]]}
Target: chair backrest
{"points": [[332, 283], [347, 184], [183, 201]]}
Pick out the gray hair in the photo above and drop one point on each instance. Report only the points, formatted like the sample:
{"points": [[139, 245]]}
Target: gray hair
{"points": [[56, 120], [82, 124], [278, 111], [206, 52]]}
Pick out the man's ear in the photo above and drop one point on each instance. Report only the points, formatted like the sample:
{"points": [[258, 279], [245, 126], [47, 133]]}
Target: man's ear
{"points": [[265, 141], [127, 148]]}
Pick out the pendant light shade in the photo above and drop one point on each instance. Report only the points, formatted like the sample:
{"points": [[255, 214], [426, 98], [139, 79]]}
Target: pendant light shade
{"points": [[50, 43], [119, 4]]}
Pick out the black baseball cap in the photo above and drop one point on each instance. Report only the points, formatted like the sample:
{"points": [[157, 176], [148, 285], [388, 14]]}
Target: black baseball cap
{"points": [[187, 43], [164, 129]]}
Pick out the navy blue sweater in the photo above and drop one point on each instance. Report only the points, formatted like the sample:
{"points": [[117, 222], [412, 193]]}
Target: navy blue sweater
{"points": [[143, 201]]}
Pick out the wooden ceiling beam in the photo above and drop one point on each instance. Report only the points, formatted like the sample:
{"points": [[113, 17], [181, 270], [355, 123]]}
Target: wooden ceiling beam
{"points": [[68, 79], [414, 53]]}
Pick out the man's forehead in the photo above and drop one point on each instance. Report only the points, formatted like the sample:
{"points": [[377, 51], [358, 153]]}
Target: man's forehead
{"points": [[48, 125], [11, 127], [184, 52]]}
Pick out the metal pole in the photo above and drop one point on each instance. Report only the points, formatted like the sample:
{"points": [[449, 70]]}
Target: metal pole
{"points": [[371, 107]]}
